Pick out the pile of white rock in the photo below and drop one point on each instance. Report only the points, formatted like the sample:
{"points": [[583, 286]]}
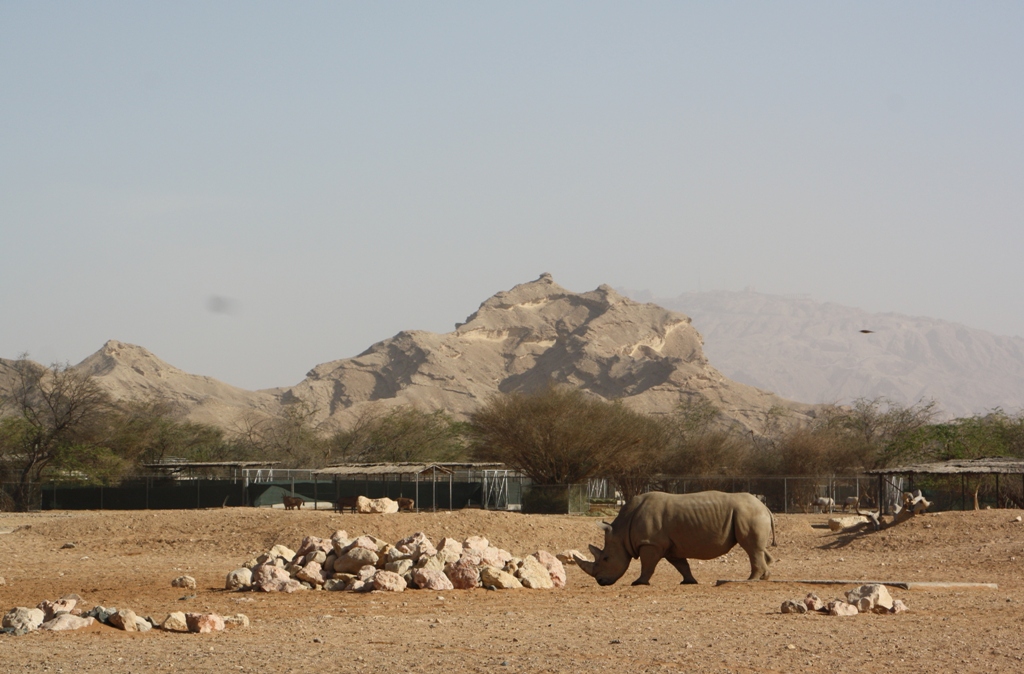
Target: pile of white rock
{"points": [[367, 563], [873, 598], [66, 614]]}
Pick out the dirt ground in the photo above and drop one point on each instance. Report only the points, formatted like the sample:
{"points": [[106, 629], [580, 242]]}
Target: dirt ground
{"points": [[127, 559]]}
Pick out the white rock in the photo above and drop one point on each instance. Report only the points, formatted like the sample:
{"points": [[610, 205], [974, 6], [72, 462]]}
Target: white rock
{"points": [[66, 622], [24, 618], [124, 619], [793, 606], [498, 579], [847, 522], [389, 581], [239, 579], [841, 608], [187, 582], [175, 622], [867, 597], [384, 506], [534, 575]]}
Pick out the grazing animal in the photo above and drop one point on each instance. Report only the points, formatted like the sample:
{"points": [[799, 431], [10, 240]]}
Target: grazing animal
{"points": [[293, 502], [406, 504], [347, 502], [824, 502], [678, 527], [851, 502]]}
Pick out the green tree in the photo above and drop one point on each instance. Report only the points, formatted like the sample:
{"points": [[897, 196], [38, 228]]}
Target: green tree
{"points": [[294, 437], [55, 417], [563, 436], [401, 434]]}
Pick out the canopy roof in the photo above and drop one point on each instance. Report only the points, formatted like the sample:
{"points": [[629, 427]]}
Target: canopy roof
{"points": [[1005, 465], [383, 469]]}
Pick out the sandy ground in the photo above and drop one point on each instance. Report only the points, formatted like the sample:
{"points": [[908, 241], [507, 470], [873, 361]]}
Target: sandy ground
{"points": [[127, 559]]}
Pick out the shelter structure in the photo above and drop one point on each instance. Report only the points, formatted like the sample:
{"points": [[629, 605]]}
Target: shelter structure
{"points": [[181, 469], [412, 474], [1001, 466]]}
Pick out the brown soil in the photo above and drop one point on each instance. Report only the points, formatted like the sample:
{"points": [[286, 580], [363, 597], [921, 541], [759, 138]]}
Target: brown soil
{"points": [[127, 559]]}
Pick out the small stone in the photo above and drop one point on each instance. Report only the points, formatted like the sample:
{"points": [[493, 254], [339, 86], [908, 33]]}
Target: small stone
{"points": [[68, 546], [22, 618], [554, 566], [124, 619], [867, 597], [499, 580], [814, 603], [389, 581], [66, 622], [142, 625], [204, 623], [239, 579], [898, 606], [841, 608], [431, 579], [187, 582], [534, 575], [793, 606], [237, 620], [464, 574], [51, 609]]}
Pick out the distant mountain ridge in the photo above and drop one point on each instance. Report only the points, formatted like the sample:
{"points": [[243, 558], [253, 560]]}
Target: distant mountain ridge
{"points": [[518, 340], [815, 352]]}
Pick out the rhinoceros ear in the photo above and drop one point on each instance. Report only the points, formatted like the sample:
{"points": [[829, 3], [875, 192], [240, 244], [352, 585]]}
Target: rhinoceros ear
{"points": [[586, 565]]}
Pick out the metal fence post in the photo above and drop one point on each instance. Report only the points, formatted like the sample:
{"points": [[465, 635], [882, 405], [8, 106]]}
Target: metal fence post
{"points": [[785, 495]]}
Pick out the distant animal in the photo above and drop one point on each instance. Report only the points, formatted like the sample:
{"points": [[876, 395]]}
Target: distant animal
{"points": [[406, 504], [293, 502], [679, 527], [347, 502], [824, 502], [851, 502]]}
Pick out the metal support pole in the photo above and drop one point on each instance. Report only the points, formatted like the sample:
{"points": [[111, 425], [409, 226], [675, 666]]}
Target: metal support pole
{"points": [[316, 495], [449, 492], [785, 495]]}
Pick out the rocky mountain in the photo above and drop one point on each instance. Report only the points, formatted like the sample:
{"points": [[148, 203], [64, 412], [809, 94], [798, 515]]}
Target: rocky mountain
{"points": [[536, 333], [520, 340], [818, 352], [130, 372]]}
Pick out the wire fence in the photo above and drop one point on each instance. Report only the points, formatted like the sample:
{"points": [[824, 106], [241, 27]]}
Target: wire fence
{"points": [[508, 490]]}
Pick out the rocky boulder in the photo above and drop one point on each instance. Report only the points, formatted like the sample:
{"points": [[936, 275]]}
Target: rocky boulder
{"points": [[269, 578], [384, 506], [534, 575], [204, 623], [22, 618], [66, 622], [389, 581], [431, 579], [867, 597], [498, 579], [239, 579]]}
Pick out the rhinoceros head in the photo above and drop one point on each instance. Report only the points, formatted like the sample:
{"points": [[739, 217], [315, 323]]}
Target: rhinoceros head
{"points": [[610, 563]]}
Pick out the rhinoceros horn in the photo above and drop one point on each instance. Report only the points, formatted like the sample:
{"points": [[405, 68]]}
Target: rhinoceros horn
{"points": [[587, 566]]}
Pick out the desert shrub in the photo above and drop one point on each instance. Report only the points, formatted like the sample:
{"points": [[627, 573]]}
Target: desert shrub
{"points": [[400, 434], [561, 435]]}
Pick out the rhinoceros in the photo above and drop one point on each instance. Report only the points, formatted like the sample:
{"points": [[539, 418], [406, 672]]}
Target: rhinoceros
{"points": [[703, 525]]}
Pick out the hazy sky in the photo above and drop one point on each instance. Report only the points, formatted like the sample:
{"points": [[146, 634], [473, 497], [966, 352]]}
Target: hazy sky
{"points": [[249, 189]]}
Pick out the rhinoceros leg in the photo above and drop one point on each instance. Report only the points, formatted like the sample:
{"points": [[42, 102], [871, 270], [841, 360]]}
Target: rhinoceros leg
{"points": [[683, 567], [759, 561], [649, 558]]}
